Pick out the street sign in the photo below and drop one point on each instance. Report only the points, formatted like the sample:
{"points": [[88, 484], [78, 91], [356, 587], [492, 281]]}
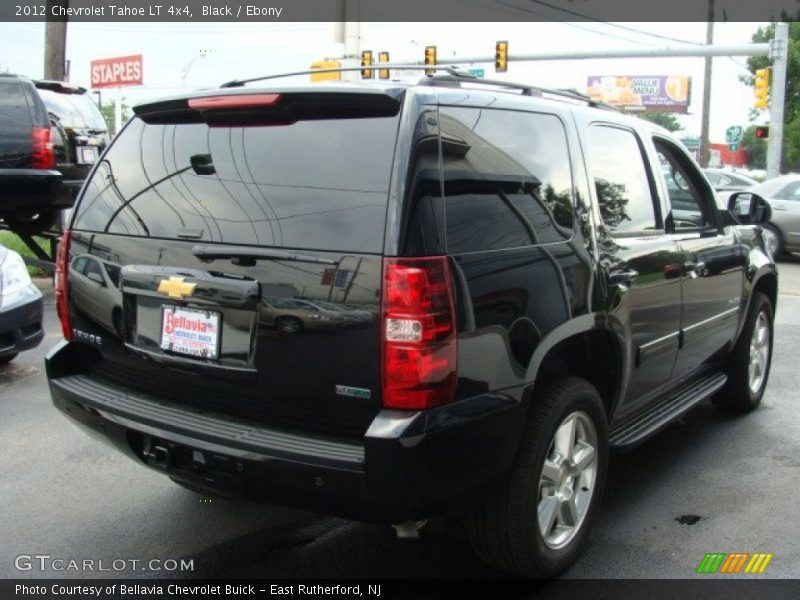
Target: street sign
{"points": [[477, 72], [733, 135], [733, 147]]}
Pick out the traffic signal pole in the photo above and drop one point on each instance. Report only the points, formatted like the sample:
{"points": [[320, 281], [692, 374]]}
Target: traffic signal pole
{"points": [[779, 55]]}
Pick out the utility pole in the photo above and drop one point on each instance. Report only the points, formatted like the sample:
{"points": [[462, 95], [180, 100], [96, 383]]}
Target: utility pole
{"points": [[704, 141], [348, 32], [55, 43], [779, 54]]}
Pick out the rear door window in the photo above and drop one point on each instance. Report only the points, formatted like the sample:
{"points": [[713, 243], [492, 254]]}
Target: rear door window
{"points": [[318, 184], [624, 189], [507, 179]]}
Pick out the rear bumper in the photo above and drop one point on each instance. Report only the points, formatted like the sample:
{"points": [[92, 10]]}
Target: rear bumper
{"points": [[30, 190], [407, 466], [21, 324]]}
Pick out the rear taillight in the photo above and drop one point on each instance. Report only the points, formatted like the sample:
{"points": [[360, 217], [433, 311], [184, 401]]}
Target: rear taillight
{"points": [[43, 155], [233, 101], [62, 284], [419, 333]]}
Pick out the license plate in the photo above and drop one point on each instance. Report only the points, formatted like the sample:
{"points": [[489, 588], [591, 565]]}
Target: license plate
{"points": [[87, 155], [190, 331]]}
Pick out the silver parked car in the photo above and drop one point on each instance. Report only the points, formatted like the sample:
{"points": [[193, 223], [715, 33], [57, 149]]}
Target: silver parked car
{"points": [[725, 180], [783, 230]]}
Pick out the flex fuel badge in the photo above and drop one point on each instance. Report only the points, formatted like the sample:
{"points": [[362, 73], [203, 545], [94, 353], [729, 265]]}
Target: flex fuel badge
{"points": [[353, 392]]}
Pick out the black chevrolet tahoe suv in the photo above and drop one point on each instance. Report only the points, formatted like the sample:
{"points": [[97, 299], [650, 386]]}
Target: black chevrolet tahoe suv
{"points": [[51, 134], [391, 301]]}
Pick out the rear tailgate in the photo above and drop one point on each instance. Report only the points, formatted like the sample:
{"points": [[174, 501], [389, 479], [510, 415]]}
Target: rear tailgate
{"points": [[237, 260]]}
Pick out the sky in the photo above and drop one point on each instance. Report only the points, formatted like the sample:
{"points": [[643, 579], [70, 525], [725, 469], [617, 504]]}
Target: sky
{"points": [[238, 50]]}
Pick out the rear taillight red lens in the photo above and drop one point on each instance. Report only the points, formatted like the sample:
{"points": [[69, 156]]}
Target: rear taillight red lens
{"points": [[43, 155], [62, 284], [234, 101], [420, 348]]}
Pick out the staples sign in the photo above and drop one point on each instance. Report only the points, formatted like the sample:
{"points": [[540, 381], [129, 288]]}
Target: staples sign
{"points": [[113, 72]]}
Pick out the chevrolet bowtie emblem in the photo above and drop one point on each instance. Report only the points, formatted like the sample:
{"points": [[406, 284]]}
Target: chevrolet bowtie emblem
{"points": [[176, 287]]}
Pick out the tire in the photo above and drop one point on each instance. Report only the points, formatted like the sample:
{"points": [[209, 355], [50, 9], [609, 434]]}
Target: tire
{"points": [[4, 360], [743, 392], [34, 222], [289, 325], [506, 532], [774, 239]]}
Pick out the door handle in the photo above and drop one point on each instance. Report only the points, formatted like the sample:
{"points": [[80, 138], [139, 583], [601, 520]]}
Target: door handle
{"points": [[623, 278]]}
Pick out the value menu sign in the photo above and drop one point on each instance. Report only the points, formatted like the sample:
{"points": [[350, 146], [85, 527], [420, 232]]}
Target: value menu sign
{"points": [[115, 72], [658, 93]]}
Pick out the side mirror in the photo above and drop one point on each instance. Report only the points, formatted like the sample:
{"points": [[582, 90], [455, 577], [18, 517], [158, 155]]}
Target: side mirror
{"points": [[96, 277], [749, 209]]}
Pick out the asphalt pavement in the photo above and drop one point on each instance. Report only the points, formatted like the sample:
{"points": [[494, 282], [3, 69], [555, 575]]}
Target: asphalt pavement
{"points": [[68, 496]]}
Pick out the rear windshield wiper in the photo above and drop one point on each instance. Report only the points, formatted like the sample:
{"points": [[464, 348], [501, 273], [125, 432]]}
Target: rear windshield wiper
{"points": [[247, 256]]}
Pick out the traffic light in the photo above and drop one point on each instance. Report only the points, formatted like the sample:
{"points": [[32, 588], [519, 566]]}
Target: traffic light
{"points": [[383, 57], [761, 88], [501, 57], [762, 132], [430, 59], [366, 61]]}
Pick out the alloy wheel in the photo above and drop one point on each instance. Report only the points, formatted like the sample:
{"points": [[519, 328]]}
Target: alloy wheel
{"points": [[567, 481], [759, 353]]}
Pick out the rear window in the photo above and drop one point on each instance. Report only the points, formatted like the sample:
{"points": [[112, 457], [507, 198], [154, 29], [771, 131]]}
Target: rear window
{"points": [[14, 109], [316, 184], [76, 111]]}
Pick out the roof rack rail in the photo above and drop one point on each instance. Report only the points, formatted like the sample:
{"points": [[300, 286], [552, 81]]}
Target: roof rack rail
{"points": [[459, 77], [454, 76], [373, 67], [576, 95]]}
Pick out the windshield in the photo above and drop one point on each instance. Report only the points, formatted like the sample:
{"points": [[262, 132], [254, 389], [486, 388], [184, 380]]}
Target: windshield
{"points": [[76, 111]]}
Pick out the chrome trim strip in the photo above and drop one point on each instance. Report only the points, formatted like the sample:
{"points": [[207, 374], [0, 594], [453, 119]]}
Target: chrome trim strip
{"points": [[659, 340], [721, 315]]}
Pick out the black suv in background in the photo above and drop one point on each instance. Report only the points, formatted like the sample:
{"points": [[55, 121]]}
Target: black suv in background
{"points": [[529, 294], [51, 134]]}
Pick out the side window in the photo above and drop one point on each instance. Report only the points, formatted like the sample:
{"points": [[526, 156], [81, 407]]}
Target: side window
{"points": [[93, 267], [790, 192], [79, 264], [620, 177], [689, 207], [507, 179]]}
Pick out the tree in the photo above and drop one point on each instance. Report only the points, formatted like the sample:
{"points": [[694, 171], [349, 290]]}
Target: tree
{"points": [[791, 116], [667, 120], [756, 149], [107, 110]]}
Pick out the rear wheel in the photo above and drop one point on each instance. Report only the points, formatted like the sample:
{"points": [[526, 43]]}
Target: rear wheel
{"points": [[4, 360], [750, 361], [539, 524]]}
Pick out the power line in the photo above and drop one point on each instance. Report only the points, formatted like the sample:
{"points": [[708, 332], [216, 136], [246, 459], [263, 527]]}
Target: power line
{"points": [[623, 27], [568, 24]]}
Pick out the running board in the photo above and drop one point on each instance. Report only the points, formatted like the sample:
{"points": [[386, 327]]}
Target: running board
{"points": [[639, 427]]}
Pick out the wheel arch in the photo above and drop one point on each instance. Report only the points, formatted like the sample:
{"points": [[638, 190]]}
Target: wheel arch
{"points": [[582, 348]]}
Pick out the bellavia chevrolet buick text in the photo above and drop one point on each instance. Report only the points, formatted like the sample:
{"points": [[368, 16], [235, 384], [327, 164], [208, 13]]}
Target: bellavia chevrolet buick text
{"points": [[539, 279]]}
